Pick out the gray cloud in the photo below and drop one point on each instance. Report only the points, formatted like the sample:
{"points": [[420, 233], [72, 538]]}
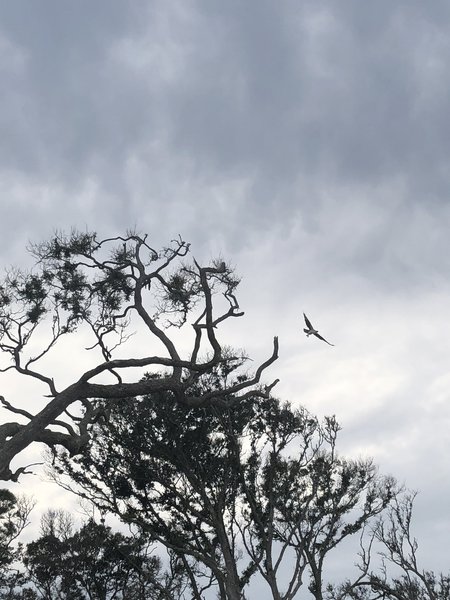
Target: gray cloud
{"points": [[308, 142], [338, 92]]}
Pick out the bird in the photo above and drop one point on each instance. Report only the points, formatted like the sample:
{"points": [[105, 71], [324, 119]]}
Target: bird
{"points": [[312, 331]]}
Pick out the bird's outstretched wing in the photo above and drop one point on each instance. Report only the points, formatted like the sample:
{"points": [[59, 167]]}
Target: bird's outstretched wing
{"points": [[323, 339], [308, 322]]}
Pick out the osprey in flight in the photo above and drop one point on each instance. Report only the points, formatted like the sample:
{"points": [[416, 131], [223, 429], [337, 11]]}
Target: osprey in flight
{"points": [[312, 331]]}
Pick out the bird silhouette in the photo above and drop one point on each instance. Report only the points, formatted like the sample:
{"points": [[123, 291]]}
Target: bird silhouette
{"points": [[312, 331]]}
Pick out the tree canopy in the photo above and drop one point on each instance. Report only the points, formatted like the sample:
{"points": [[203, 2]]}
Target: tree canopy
{"points": [[96, 563], [67, 561], [255, 488], [102, 286]]}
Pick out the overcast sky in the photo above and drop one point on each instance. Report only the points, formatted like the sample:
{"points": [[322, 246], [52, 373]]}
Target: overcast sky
{"points": [[308, 143]]}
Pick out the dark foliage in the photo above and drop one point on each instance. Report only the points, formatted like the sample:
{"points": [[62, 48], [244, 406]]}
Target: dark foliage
{"points": [[240, 490], [98, 564]]}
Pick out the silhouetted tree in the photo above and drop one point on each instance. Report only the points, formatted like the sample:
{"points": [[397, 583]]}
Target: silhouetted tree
{"points": [[83, 283], [14, 517], [98, 564], [230, 492], [240, 489], [397, 574]]}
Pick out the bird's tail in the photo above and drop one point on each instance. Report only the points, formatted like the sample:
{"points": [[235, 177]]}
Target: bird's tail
{"points": [[306, 331]]}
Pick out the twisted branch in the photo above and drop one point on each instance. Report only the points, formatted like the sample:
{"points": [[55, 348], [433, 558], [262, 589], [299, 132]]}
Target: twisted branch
{"points": [[80, 280]]}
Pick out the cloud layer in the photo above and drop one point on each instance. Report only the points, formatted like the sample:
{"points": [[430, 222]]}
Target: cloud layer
{"points": [[308, 142]]}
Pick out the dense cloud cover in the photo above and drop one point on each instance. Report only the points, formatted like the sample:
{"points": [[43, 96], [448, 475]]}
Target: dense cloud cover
{"points": [[308, 142]]}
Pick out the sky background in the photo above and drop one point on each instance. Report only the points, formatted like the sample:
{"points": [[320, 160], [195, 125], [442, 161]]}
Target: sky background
{"points": [[306, 142]]}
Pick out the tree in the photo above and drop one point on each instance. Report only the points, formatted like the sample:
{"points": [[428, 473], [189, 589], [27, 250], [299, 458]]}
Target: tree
{"points": [[14, 517], [398, 575], [86, 284], [301, 499], [237, 489], [96, 563]]}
